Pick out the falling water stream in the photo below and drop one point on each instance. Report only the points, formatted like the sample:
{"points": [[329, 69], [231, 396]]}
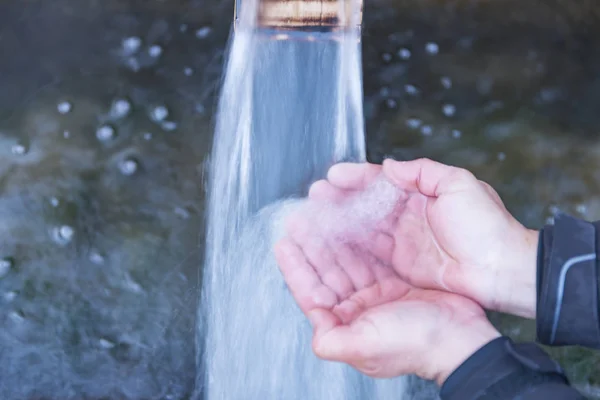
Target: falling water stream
{"points": [[291, 106]]}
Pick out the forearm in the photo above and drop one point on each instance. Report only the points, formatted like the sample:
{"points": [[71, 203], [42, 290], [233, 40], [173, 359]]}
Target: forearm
{"points": [[505, 370], [568, 301]]}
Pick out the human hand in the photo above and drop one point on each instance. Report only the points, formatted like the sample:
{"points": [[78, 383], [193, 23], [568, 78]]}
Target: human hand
{"points": [[365, 315], [453, 234]]}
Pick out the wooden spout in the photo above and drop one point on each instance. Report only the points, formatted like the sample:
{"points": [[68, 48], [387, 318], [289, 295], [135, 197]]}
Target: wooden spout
{"points": [[308, 14]]}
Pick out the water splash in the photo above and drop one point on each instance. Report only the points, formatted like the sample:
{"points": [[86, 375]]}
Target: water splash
{"points": [[290, 107]]}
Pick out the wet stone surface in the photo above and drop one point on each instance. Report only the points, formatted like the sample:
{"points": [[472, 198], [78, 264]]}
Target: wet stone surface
{"points": [[105, 126]]}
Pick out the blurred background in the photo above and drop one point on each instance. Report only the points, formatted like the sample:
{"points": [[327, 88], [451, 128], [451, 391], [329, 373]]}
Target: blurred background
{"points": [[106, 112]]}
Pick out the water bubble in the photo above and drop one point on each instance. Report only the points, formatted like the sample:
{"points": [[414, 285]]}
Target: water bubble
{"points": [[155, 51], [54, 202], [449, 110], [432, 48], [128, 166], [426, 130], [18, 149], [120, 108], [554, 209], [105, 132], [203, 32], [132, 285], [66, 134], [413, 123], [200, 109], [550, 221], [147, 135], [581, 208], [446, 82], [501, 156], [131, 44], [404, 54], [63, 234], [106, 344], [411, 89], [456, 133], [159, 113], [64, 107], [183, 27], [96, 258], [188, 71], [391, 103], [6, 264], [387, 57]]}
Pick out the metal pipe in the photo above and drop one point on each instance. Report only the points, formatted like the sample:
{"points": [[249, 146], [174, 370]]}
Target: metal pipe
{"points": [[306, 15]]}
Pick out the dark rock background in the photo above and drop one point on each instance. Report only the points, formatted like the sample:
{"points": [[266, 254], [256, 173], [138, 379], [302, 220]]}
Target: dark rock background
{"points": [[101, 240]]}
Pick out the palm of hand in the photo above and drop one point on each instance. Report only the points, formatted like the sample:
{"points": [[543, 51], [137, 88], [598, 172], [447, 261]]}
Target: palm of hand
{"points": [[354, 295]]}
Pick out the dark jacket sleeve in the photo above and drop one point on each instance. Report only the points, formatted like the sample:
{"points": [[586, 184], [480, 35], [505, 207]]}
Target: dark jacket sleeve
{"points": [[503, 370], [568, 305]]}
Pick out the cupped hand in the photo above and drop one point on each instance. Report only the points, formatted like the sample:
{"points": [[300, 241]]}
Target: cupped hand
{"points": [[453, 232], [365, 315]]}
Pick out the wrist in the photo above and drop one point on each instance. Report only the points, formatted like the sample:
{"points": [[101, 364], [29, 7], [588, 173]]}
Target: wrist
{"points": [[460, 345], [518, 275]]}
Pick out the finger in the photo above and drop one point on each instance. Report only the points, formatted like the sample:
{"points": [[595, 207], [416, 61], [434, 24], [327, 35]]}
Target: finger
{"points": [[427, 177], [320, 255], [388, 290], [353, 176], [302, 280], [326, 192], [354, 266], [381, 245]]}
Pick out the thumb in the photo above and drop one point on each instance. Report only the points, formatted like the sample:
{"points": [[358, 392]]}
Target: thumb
{"points": [[426, 176], [339, 344]]}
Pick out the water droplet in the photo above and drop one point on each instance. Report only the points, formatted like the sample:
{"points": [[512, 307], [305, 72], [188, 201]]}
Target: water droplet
{"points": [[131, 44], [391, 103], [169, 125], [387, 57], [554, 209], [120, 108], [147, 135], [411, 89], [63, 234], [384, 91], [10, 296], [183, 27], [449, 110], [64, 107], [456, 133], [19, 149], [413, 123], [66, 134], [446, 82], [426, 130], [6, 264], [132, 285], [581, 208], [159, 113], [550, 221], [182, 212], [54, 202], [188, 71], [105, 132], [200, 109], [106, 344], [16, 317], [128, 166], [155, 51], [404, 54], [96, 258], [501, 156], [203, 32], [432, 48]]}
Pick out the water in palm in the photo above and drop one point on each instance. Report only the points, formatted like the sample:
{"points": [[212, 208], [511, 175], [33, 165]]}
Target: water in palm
{"points": [[290, 107]]}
